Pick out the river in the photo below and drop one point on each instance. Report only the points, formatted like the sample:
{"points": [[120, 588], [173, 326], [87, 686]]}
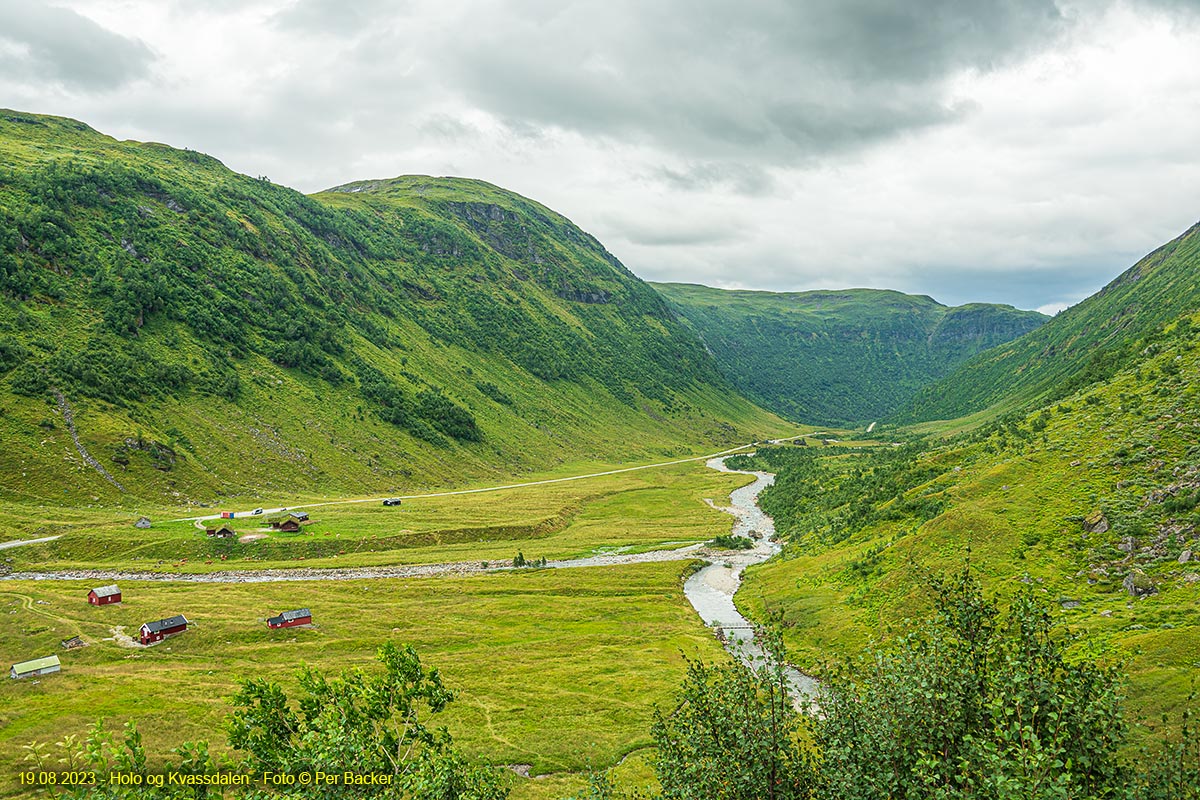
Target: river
{"points": [[711, 590]]}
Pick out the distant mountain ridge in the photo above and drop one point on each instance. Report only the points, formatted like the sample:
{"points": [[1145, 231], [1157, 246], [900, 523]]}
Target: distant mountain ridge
{"points": [[216, 333], [1085, 343], [839, 357]]}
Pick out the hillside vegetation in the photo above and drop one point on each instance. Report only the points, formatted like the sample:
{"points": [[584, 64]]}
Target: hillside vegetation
{"points": [[838, 357], [1094, 501], [1087, 342], [204, 332]]}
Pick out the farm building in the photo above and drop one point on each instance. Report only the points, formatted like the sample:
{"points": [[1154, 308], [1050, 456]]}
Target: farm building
{"points": [[223, 532], [74, 643], [103, 595], [157, 631], [290, 619], [142, 522], [291, 522], [38, 666]]}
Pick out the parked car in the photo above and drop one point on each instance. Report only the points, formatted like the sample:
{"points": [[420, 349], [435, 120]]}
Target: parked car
{"points": [[392, 501], [257, 511]]}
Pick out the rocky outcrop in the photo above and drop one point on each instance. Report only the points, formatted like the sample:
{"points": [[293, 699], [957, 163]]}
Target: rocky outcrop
{"points": [[69, 418], [1139, 584], [1096, 522]]}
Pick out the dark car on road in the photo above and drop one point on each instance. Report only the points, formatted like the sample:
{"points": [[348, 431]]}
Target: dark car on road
{"points": [[392, 501]]}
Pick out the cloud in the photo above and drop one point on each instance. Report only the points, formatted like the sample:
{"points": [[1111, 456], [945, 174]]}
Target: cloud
{"points": [[1020, 151], [58, 45], [780, 79]]}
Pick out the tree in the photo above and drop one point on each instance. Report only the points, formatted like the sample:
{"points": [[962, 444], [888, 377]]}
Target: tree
{"points": [[974, 703], [360, 722], [733, 735]]}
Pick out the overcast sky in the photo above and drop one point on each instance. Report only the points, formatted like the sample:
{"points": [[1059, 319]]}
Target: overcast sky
{"points": [[1022, 152]]}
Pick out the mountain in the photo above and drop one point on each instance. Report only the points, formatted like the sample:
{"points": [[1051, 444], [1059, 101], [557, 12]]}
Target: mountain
{"points": [[170, 329], [838, 357], [1093, 501], [1085, 343]]}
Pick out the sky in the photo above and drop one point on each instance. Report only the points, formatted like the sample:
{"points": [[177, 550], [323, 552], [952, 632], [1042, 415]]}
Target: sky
{"points": [[1021, 152]]}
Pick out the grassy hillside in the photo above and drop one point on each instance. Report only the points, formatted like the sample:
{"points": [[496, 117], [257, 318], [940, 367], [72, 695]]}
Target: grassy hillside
{"points": [[1094, 500], [839, 357], [1088, 342], [208, 334]]}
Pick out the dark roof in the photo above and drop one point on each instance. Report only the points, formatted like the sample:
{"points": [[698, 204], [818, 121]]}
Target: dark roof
{"points": [[165, 624], [300, 515], [106, 591], [292, 616]]}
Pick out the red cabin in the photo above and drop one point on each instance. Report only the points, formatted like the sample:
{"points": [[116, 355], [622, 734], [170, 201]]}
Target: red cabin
{"points": [[157, 631], [290, 619], [103, 595]]}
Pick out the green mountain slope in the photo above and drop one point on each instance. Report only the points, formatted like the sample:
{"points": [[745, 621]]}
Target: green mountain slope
{"points": [[1094, 500], [834, 357], [214, 333], [1088, 342]]}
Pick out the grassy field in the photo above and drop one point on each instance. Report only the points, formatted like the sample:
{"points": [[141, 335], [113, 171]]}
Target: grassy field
{"points": [[557, 669], [638, 510]]}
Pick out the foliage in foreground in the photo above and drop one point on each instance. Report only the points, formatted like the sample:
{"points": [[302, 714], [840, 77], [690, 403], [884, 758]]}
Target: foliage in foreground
{"points": [[358, 722], [973, 703]]}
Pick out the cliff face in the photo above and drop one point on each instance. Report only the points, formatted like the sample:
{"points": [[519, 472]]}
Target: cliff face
{"points": [[838, 357]]}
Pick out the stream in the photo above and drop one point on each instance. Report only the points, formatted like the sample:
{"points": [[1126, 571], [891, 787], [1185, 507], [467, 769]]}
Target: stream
{"points": [[711, 590]]}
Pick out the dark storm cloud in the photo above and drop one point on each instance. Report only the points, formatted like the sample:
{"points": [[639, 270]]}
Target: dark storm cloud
{"points": [[787, 80], [57, 45]]}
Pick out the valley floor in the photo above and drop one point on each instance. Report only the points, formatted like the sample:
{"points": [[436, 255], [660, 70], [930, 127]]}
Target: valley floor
{"points": [[555, 669]]}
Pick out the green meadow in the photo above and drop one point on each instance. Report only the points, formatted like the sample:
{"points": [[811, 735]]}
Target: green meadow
{"points": [[558, 669], [630, 511]]}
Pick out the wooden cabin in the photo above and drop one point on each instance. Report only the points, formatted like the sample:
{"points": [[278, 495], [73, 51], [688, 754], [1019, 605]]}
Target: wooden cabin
{"points": [[103, 595], [223, 532], [291, 523], [160, 629], [291, 619], [38, 666]]}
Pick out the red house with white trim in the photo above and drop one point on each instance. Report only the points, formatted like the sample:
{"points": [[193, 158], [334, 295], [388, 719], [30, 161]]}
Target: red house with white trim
{"points": [[103, 595], [290, 619], [160, 629]]}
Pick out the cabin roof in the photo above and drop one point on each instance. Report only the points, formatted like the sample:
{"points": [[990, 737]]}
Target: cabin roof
{"points": [[164, 624], [106, 591], [36, 664]]}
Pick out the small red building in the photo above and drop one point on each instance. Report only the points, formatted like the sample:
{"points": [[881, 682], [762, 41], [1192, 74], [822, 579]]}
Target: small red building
{"points": [[290, 619], [103, 595], [157, 631]]}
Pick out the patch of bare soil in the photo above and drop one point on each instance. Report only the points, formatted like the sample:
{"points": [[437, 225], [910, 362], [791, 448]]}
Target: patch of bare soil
{"points": [[123, 639]]}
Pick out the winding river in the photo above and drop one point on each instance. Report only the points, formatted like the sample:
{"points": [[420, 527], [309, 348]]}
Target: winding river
{"points": [[711, 590]]}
